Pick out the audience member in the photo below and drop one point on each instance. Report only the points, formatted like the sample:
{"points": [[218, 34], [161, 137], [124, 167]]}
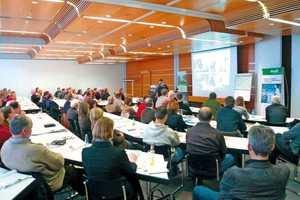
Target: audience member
{"points": [[79, 94], [142, 106], [45, 97], [35, 97], [95, 114], [5, 133], [92, 103], [16, 107], [63, 93], [88, 96], [229, 120], [72, 113], [118, 101], [121, 91], [127, 108], [161, 86], [30, 157], [8, 114], [204, 139], [114, 161], [111, 107], [185, 107], [159, 134], [258, 180], [148, 115], [287, 144], [162, 98], [12, 96], [97, 93], [152, 95], [213, 104], [170, 97], [240, 107], [276, 112], [174, 120], [84, 116], [57, 92], [105, 94]]}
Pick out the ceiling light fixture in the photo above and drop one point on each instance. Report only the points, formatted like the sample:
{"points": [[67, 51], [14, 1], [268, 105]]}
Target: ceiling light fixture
{"points": [[266, 15], [215, 41], [34, 2], [23, 31], [149, 53]]}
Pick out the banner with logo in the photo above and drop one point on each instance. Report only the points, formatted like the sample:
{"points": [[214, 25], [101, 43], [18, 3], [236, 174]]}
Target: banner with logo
{"points": [[182, 83], [272, 85]]}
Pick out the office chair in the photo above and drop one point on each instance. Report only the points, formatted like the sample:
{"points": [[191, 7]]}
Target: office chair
{"points": [[205, 166], [74, 127], [165, 150], [105, 189]]}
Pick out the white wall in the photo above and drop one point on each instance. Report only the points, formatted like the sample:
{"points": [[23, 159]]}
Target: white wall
{"points": [[267, 55], [24, 75], [295, 83]]}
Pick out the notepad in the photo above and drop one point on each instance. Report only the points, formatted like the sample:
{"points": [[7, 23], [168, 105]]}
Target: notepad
{"points": [[10, 178]]}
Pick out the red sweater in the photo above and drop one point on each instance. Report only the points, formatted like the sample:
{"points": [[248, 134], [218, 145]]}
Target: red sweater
{"points": [[5, 134], [141, 107]]}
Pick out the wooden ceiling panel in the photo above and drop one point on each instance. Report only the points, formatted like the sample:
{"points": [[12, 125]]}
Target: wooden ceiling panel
{"points": [[16, 8], [161, 2], [80, 24], [37, 26], [12, 24], [170, 19], [141, 31], [46, 10], [117, 12]]}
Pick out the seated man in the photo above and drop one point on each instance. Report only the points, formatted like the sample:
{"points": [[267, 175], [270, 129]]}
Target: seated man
{"points": [[186, 109], [149, 112], [229, 120], [287, 144], [276, 113], [159, 134], [258, 180], [204, 139], [21, 154], [162, 98], [16, 107], [72, 112], [212, 103]]}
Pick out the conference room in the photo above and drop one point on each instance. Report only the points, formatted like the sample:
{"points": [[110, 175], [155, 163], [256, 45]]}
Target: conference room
{"points": [[233, 48]]}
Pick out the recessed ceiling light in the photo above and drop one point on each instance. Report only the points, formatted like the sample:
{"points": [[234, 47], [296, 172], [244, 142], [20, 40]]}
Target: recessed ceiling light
{"points": [[108, 16], [271, 24], [241, 42], [130, 35], [100, 21], [159, 48], [168, 46], [151, 26], [27, 22], [34, 2], [163, 22], [84, 32], [79, 35]]}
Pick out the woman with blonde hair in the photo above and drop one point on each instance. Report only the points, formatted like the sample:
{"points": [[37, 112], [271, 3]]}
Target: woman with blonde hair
{"points": [[95, 114], [240, 107], [114, 162], [174, 120]]}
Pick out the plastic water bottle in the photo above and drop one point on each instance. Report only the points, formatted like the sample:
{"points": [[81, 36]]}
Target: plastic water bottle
{"points": [[86, 139], [152, 154], [133, 122], [252, 113], [41, 109]]}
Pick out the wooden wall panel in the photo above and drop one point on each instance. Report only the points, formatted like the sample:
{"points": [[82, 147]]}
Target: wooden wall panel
{"points": [[159, 68]]}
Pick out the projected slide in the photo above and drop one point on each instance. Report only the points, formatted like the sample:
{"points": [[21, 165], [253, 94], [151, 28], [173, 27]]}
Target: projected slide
{"points": [[214, 71]]}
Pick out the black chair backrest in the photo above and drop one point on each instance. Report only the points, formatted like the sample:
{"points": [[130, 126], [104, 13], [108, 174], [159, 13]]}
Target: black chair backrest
{"points": [[74, 126], [164, 150], [42, 189], [203, 165], [105, 189], [116, 113]]}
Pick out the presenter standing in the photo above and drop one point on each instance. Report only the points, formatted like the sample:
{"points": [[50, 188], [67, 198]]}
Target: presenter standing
{"points": [[161, 86]]}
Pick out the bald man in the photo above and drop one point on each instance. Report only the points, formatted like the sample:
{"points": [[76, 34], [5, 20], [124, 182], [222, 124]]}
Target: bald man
{"points": [[204, 139]]}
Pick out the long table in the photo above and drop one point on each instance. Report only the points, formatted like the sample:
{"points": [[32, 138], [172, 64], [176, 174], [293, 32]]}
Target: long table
{"points": [[71, 151], [27, 105]]}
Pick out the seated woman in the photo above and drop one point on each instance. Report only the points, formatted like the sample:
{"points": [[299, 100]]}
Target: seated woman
{"points": [[84, 118], [114, 161], [118, 137], [174, 120], [240, 107], [127, 110], [111, 107]]}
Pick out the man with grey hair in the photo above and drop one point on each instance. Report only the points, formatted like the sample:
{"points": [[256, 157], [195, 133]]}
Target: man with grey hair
{"points": [[276, 112], [72, 112], [21, 154], [259, 179]]}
